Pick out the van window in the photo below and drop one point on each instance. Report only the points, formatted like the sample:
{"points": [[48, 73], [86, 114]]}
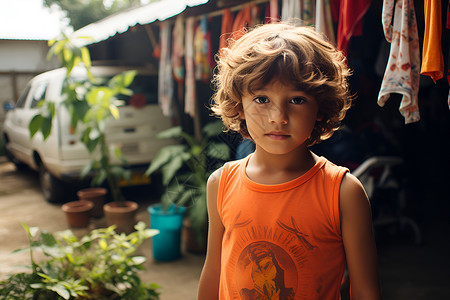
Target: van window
{"points": [[23, 97], [38, 94]]}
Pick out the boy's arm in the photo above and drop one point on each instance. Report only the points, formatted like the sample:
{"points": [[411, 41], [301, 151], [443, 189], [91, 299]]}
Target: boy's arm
{"points": [[209, 280], [358, 239]]}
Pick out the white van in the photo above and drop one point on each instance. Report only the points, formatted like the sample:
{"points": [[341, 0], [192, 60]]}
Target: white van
{"points": [[62, 156]]}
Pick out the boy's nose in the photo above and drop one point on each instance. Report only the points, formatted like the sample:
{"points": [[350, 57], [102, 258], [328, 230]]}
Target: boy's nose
{"points": [[278, 115]]}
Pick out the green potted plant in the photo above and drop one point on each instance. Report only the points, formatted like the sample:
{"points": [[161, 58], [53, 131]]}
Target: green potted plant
{"points": [[185, 169], [100, 265], [91, 104]]}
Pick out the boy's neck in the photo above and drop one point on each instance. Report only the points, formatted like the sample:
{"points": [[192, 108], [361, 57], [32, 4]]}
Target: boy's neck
{"points": [[267, 168]]}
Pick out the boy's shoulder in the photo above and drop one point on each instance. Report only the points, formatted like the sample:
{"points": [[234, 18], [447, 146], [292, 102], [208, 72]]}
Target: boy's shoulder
{"points": [[229, 166]]}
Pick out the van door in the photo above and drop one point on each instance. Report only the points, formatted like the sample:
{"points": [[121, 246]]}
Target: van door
{"points": [[26, 109]]}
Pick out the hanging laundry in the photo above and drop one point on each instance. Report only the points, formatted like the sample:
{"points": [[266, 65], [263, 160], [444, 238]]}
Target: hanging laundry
{"points": [[402, 70], [335, 7], [432, 59], [190, 93], [227, 28], [178, 49], [165, 79], [324, 21], [448, 72], [274, 14], [202, 47], [351, 14], [308, 12], [291, 9], [243, 20]]}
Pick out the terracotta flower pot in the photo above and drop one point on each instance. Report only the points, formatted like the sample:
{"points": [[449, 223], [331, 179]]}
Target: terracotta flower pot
{"points": [[124, 216], [78, 213], [97, 196]]}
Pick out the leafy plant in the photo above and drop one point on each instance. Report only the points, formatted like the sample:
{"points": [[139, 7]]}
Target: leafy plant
{"points": [[91, 103], [186, 167], [99, 266]]}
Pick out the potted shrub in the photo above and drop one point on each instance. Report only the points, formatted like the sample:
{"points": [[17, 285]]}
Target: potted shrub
{"points": [[99, 265], [91, 104], [185, 170]]}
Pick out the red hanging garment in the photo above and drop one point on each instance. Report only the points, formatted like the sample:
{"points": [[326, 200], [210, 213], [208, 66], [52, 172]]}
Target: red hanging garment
{"points": [[350, 21], [227, 28]]}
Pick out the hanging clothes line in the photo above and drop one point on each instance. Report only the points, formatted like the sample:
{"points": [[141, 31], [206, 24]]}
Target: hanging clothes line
{"points": [[233, 9]]}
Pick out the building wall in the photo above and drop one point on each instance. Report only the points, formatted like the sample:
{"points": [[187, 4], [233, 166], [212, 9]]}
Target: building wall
{"points": [[20, 60]]}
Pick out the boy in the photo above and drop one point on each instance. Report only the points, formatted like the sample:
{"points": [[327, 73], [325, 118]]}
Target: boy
{"points": [[283, 222]]}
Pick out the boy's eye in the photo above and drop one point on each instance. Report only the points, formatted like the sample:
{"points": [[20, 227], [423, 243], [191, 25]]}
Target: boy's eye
{"points": [[297, 100], [261, 100]]}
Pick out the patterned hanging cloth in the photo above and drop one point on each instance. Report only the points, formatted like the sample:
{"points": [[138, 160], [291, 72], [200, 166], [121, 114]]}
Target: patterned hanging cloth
{"points": [[402, 70], [190, 93], [165, 77], [324, 21]]}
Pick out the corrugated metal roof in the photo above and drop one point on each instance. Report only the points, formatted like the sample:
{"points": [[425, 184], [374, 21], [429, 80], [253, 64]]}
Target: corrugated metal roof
{"points": [[119, 23]]}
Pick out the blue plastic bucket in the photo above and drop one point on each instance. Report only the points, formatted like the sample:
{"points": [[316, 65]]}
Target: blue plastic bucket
{"points": [[166, 245]]}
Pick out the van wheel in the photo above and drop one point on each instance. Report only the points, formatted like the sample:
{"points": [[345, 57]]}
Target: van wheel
{"points": [[52, 188]]}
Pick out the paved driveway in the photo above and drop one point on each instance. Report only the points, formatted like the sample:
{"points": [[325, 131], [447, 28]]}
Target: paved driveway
{"points": [[21, 201]]}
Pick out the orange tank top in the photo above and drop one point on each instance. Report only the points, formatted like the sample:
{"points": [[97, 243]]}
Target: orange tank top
{"points": [[281, 241]]}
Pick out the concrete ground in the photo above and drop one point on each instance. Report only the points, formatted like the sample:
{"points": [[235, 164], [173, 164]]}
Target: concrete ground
{"points": [[407, 271]]}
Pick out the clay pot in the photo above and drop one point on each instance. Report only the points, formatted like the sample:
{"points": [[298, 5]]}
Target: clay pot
{"points": [[78, 213], [96, 195], [123, 215]]}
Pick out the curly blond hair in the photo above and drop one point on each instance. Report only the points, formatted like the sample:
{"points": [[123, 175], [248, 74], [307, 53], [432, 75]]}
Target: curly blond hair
{"points": [[295, 55]]}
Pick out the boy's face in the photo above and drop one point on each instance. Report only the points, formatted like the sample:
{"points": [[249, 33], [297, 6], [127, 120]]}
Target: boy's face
{"points": [[279, 117]]}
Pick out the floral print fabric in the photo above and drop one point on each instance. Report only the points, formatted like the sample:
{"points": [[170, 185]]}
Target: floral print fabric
{"points": [[403, 67]]}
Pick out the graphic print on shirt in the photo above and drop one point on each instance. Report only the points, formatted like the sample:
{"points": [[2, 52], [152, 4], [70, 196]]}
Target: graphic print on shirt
{"points": [[269, 265]]}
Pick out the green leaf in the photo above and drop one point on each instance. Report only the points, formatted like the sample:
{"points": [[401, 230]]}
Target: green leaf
{"points": [[218, 151], [186, 197], [85, 57], [31, 231], [213, 129], [129, 77], [118, 152], [171, 168], [102, 243], [174, 132], [48, 239], [50, 106], [46, 127], [164, 156], [86, 169], [99, 178], [61, 290], [138, 260], [114, 111], [35, 125], [67, 54]]}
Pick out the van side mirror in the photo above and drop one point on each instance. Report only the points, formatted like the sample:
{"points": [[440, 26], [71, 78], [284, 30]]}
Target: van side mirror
{"points": [[8, 105]]}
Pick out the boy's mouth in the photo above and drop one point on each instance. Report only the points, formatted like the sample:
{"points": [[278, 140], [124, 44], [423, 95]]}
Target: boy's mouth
{"points": [[277, 135]]}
